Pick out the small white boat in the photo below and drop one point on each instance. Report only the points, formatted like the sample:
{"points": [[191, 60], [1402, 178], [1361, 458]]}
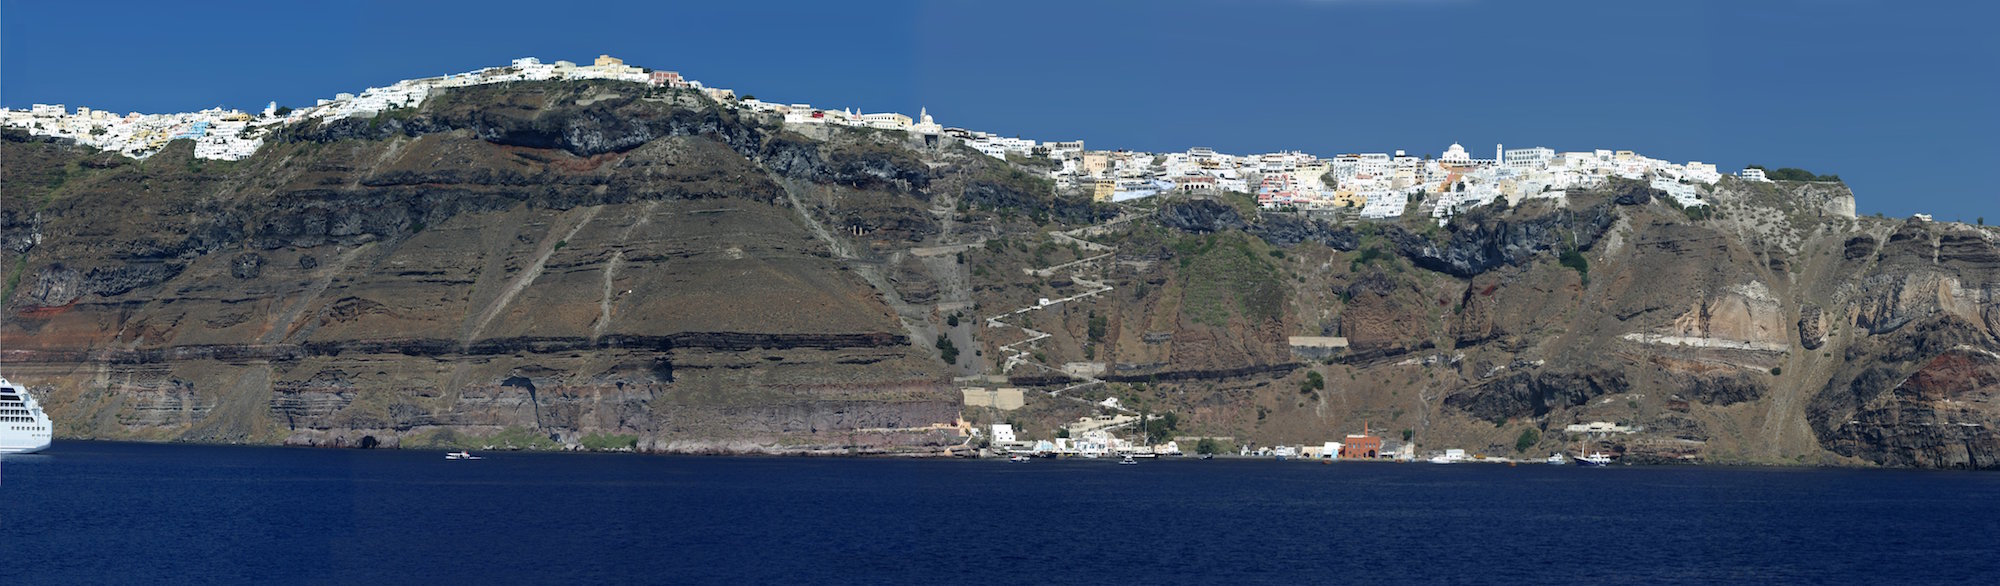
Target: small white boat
{"points": [[1451, 456], [1557, 459], [1018, 459], [1127, 461], [460, 456]]}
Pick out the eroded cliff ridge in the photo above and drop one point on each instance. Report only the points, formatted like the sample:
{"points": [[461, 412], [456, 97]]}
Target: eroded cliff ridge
{"points": [[603, 265]]}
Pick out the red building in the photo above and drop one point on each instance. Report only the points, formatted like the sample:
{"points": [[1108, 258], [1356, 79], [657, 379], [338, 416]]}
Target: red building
{"points": [[1361, 446]]}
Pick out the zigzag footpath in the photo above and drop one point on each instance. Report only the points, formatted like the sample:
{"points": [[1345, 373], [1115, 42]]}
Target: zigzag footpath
{"points": [[1018, 353]]}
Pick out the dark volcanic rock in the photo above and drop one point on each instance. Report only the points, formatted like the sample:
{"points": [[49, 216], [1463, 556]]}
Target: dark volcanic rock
{"points": [[861, 166], [1937, 417], [1724, 390], [997, 195], [1859, 247], [1489, 243], [1200, 216], [611, 124], [1633, 193], [1535, 394], [1288, 230], [20, 232], [1968, 251], [115, 281], [246, 266], [56, 285], [1018, 191]]}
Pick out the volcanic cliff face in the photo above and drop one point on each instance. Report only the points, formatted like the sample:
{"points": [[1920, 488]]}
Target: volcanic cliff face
{"points": [[602, 265], [539, 261]]}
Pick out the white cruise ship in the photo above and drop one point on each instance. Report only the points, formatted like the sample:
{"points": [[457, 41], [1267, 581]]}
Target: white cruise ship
{"points": [[24, 428]]}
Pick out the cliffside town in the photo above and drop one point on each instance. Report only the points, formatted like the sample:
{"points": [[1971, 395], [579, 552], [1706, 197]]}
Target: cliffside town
{"points": [[562, 256], [1377, 185]]}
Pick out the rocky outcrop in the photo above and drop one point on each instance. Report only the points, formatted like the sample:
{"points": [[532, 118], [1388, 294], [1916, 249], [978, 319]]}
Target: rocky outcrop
{"points": [[1940, 416], [1479, 245], [1287, 230], [1724, 390], [1634, 193], [1534, 394], [56, 284], [1200, 216], [246, 266], [862, 165], [1859, 247], [1812, 327], [20, 231]]}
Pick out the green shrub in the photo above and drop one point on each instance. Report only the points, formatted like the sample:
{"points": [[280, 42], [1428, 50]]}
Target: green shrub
{"points": [[1367, 256], [947, 350], [1576, 260], [1529, 437]]}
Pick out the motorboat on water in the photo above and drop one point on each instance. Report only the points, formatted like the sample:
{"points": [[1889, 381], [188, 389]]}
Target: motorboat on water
{"points": [[461, 456], [1558, 459], [1127, 461], [1018, 459], [1595, 459]]}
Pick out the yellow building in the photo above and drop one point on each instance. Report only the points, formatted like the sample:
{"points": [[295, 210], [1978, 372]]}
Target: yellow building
{"points": [[1346, 198], [609, 61], [1094, 163], [1103, 189]]}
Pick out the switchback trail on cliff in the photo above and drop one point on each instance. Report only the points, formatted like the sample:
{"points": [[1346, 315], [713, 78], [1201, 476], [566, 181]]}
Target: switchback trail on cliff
{"points": [[1017, 352]]}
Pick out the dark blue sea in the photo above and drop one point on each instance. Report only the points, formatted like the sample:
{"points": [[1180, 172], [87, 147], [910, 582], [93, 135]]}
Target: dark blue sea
{"points": [[118, 513]]}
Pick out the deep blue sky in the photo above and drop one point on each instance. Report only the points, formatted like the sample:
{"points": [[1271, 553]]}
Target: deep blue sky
{"points": [[1897, 97]]}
